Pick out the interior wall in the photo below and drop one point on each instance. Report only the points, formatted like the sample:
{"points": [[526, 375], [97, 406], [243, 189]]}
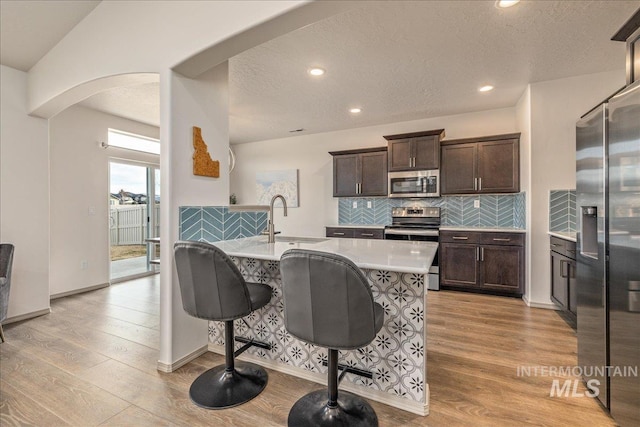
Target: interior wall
{"points": [[523, 114], [80, 194], [310, 155], [24, 195], [203, 103], [556, 106]]}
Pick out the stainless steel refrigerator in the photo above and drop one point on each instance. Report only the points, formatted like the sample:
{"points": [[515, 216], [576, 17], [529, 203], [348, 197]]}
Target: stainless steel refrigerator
{"points": [[608, 255]]}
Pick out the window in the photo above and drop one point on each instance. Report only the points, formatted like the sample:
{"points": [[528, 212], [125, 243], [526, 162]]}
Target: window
{"points": [[133, 142]]}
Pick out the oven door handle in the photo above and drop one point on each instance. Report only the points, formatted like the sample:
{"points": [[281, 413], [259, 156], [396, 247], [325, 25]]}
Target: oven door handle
{"points": [[411, 232]]}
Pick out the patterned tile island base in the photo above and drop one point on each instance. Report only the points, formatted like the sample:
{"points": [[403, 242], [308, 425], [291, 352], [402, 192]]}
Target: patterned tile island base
{"points": [[396, 357]]}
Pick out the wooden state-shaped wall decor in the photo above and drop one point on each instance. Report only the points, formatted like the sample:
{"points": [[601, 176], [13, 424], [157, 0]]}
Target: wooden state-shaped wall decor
{"points": [[203, 165]]}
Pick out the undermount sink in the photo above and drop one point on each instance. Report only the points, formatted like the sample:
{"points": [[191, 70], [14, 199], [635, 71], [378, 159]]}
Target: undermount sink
{"points": [[294, 239]]}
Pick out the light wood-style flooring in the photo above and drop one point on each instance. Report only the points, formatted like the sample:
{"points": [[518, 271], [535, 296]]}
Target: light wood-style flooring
{"points": [[92, 362]]}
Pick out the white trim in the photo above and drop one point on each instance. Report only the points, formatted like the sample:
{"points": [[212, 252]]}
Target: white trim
{"points": [[170, 367], [133, 162], [535, 304], [379, 396], [27, 316], [78, 291], [114, 134], [133, 277]]}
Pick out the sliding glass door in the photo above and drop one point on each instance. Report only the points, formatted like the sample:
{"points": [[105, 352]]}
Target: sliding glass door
{"points": [[134, 197]]}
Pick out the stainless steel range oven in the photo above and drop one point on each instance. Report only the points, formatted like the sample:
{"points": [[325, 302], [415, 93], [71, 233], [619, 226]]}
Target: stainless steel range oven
{"points": [[417, 224]]}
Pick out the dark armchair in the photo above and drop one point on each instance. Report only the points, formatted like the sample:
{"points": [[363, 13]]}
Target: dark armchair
{"points": [[6, 260]]}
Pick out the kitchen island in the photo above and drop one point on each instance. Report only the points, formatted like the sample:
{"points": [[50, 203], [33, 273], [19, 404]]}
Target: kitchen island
{"points": [[397, 272]]}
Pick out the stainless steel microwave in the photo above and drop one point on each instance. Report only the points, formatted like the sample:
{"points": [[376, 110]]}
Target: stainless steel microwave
{"points": [[424, 183]]}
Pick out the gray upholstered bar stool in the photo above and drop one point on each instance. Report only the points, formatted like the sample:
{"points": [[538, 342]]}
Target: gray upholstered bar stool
{"points": [[328, 302], [213, 288]]}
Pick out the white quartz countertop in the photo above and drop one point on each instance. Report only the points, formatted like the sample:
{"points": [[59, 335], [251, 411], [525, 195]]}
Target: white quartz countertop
{"points": [[487, 229], [389, 255], [372, 226], [566, 235]]}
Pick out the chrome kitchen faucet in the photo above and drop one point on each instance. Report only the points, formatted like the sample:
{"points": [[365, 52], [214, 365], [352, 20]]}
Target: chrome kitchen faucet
{"points": [[270, 227]]}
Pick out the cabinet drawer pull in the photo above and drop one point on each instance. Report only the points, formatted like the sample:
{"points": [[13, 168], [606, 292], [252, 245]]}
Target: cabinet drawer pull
{"points": [[367, 234], [562, 263], [481, 254], [335, 233], [479, 184], [460, 238], [555, 245], [496, 239], [475, 184], [477, 253]]}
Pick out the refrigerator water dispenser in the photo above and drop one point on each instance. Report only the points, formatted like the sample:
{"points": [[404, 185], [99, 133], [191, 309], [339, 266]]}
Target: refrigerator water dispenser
{"points": [[589, 231]]}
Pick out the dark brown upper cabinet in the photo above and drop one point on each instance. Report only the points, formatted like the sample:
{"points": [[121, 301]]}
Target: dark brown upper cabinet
{"points": [[489, 164], [360, 172], [629, 33], [414, 151]]}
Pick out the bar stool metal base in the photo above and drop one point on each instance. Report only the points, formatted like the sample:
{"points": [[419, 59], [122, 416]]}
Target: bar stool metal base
{"points": [[218, 388], [313, 410]]}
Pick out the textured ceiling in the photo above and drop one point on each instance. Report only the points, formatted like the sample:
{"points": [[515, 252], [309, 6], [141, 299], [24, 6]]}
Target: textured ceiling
{"points": [[400, 60], [139, 102], [409, 60]]}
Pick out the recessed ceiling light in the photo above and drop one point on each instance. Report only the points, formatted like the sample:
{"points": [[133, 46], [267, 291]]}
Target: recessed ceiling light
{"points": [[506, 3], [316, 71], [355, 110], [486, 88]]}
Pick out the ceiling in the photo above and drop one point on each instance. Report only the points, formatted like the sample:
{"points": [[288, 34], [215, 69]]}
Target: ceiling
{"points": [[30, 29], [397, 60]]}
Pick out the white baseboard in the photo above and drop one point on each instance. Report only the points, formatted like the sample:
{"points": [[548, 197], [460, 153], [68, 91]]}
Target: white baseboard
{"points": [[134, 277], [379, 396], [535, 304], [26, 316], [78, 291], [170, 367]]}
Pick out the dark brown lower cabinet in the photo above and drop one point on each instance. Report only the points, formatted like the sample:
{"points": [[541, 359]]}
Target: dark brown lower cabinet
{"points": [[573, 292], [458, 264], [355, 233], [500, 268], [482, 262], [559, 288], [563, 277]]}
